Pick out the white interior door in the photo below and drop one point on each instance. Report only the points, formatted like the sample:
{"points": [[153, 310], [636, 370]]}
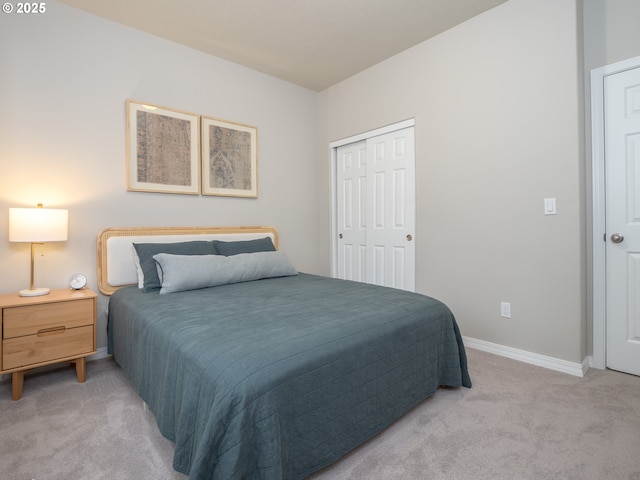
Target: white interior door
{"points": [[622, 177], [376, 210]]}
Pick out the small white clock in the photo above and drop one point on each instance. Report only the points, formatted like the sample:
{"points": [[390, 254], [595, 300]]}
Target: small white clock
{"points": [[77, 281]]}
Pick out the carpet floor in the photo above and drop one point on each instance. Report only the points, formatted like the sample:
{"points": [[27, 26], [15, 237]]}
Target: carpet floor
{"points": [[518, 421]]}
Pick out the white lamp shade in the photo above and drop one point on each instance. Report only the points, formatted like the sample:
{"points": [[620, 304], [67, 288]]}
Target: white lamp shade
{"points": [[38, 225]]}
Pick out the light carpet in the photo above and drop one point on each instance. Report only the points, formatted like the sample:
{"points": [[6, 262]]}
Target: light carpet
{"points": [[517, 422]]}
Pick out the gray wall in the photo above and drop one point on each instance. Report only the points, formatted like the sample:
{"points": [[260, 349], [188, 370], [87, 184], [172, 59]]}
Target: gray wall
{"points": [[611, 31], [65, 77], [497, 103]]}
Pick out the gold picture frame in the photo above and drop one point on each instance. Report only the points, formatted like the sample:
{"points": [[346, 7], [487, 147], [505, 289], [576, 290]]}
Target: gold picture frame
{"points": [[163, 149], [229, 158]]}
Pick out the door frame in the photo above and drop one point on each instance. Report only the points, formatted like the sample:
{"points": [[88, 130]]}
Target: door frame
{"points": [[599, 291], [333, 154]]}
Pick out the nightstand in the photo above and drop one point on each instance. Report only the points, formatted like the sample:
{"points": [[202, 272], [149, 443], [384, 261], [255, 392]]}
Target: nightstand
{"points": [[53, 328]]}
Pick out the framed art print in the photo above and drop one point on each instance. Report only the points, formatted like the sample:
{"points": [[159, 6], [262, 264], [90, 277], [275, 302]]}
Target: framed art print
{"points": [[163, 149], [229, 158]]}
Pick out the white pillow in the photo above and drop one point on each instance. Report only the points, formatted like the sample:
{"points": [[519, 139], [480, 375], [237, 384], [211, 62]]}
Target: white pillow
{"points": [[139, 272], [189, 272]]}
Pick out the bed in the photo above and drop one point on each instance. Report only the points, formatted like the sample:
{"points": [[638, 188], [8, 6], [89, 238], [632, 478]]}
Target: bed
{"points": [[267, 375]]}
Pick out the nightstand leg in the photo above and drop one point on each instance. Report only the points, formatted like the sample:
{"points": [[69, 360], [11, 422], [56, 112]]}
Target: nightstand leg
{"points": [[81, 369], [17, 382]]}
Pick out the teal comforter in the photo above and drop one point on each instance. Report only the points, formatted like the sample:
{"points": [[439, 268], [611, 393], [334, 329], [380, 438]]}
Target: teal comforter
{"points": [[278, 378]]}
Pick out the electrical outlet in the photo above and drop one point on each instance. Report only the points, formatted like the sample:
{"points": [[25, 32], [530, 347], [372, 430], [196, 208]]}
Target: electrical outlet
{"points": [[505, 309]]}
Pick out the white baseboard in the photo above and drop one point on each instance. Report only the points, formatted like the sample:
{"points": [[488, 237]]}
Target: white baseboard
{"points": [[572, 368]]}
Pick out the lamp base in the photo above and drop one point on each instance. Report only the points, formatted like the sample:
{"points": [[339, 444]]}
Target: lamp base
{"points": [[36, 292]]}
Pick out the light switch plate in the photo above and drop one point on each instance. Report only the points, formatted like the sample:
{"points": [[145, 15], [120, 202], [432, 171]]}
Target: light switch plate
{"points": [[550, 206]]}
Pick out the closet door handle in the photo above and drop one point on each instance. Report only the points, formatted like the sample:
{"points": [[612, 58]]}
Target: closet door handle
{"points": [[409, 238]]}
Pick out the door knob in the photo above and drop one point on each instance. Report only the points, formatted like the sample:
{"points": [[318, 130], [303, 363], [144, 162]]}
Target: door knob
{"points": [[409, 237], [340, 236], [617, 238]]}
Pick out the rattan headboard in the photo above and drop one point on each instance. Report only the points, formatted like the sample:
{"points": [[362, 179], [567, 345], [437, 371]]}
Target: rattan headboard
{"points": [[116, 265]]}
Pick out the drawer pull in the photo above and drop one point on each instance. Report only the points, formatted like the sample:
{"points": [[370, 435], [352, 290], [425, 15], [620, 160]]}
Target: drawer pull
{"points": [[49, 331]]}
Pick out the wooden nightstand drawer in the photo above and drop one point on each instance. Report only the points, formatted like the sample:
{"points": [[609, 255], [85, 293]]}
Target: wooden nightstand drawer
{"points": [[49, 345], [31, 319]]}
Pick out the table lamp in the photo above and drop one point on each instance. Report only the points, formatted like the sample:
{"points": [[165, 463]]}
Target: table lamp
{"points": [[37, 226]]}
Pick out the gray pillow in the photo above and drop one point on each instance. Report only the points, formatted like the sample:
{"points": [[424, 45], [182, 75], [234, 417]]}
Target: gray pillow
{"points": [[190, 272], [146, 251], [243, 246]]}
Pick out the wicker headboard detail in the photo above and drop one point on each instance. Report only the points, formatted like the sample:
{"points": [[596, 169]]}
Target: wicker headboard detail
{"points": [[116, 266]]}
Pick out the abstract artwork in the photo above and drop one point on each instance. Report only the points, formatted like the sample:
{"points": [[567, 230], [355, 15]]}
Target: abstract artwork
{"points": [[162, 149], [229, 158]]}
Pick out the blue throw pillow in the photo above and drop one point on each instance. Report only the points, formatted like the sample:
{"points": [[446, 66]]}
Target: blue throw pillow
{"points": [[243, 246]]}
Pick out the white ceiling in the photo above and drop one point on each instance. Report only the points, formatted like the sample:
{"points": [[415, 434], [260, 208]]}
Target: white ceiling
{"points": [[312, 43]]}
